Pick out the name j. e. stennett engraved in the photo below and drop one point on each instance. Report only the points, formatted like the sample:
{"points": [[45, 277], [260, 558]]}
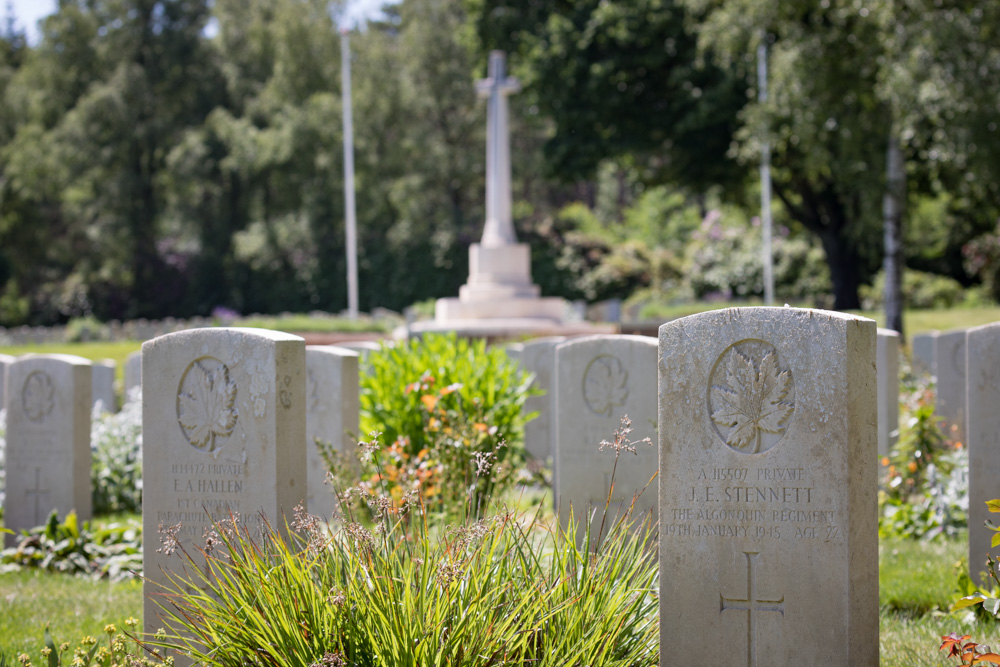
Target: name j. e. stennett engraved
{"points": [[751, 494]]}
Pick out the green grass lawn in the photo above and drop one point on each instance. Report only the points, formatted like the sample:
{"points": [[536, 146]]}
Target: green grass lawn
{"points": [[916, 586], [93, 351]]}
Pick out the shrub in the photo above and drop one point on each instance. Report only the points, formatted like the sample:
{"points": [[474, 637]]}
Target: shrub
{"points": [[440, 431], [505, 589], [926, 484], [113, 551], [920, 290], [116, 458]]}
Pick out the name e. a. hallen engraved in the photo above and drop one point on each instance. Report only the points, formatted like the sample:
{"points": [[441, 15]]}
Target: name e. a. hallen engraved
{"points": [[751, 494], [207, 469], [202, 485]]}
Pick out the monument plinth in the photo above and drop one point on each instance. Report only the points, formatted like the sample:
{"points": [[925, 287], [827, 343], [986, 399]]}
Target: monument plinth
{"points": [[499, 285]]}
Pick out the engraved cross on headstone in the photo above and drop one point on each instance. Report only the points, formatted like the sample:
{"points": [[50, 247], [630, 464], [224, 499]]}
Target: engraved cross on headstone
{"points": [[37, 492], [499, 229], [751, 604]]}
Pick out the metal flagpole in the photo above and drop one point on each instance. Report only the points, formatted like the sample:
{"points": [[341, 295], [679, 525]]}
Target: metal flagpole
{"points": [[765, 176], [350, 213]]}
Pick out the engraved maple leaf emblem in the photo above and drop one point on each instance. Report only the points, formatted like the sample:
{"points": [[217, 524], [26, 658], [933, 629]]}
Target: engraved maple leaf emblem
{"points": [[753, 400], [206, 408], [605, 384], [38, 396]]}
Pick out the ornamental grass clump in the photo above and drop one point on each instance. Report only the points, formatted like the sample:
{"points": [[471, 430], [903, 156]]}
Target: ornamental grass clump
{"points": [[505, 588]]}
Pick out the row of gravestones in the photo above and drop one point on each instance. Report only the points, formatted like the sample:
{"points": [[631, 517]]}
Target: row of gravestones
{"points": [[102, 381], [767, 444], [965, 365]]}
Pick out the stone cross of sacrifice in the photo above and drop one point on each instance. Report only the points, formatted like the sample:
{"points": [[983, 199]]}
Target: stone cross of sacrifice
{"points": [[499, 228]]}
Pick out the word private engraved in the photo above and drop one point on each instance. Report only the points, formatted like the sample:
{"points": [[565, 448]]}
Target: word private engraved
{"points": [[38, 396], [750, 396], [605, 384], [206, 398]]}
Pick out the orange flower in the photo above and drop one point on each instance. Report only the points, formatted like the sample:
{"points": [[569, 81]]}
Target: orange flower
{"points": [[455, 386], [429, 401], [912, 466], [480, 427], [885, 460]]}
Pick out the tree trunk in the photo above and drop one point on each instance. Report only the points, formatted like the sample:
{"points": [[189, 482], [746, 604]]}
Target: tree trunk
{"points": [[892, 212], [843, 261]]}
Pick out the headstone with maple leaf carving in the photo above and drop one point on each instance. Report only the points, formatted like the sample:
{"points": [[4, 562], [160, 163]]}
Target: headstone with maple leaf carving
{"points": [[223, 421], [600, 380], [767, 497], [48, 400], [332, 413]]}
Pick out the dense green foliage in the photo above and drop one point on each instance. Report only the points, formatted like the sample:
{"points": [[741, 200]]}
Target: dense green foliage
{"points": [[164, 157], [116, 458], [112, 550], [445, 407]]}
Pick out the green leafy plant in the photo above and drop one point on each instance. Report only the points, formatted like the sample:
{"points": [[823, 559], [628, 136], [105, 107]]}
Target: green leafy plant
{"points": [[116, 458], [503, 589], [925, 486], [113, 551], [440, 432]]}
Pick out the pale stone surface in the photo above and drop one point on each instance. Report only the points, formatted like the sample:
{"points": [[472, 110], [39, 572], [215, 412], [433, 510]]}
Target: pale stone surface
{"points": [[598, 380], [5, 360], [983, 438], [223, 421], [924, 352], [48, 439], [133, 371], [887, 365], [332, 413], [362, 347], [950, 373], [538, 356], [103, 385], [768, 473]]}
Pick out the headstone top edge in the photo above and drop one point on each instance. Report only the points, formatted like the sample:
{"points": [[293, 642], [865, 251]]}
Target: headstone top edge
{"points": [[7, 358], [235, 332], [331, 350], [724, 315], [603, 338], [71, 359], [892, 333], [951, 332], [989, 326]]}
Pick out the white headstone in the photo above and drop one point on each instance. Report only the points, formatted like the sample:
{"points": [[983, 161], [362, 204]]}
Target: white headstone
{"points": [[924, 347], [103, 385], [887, 365], [223, 423], [5, 361], [600, 379], [48, 439], [332, 413], [950, 373], [983, 439], [133, 371], [768, 474], [538, 356]]}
